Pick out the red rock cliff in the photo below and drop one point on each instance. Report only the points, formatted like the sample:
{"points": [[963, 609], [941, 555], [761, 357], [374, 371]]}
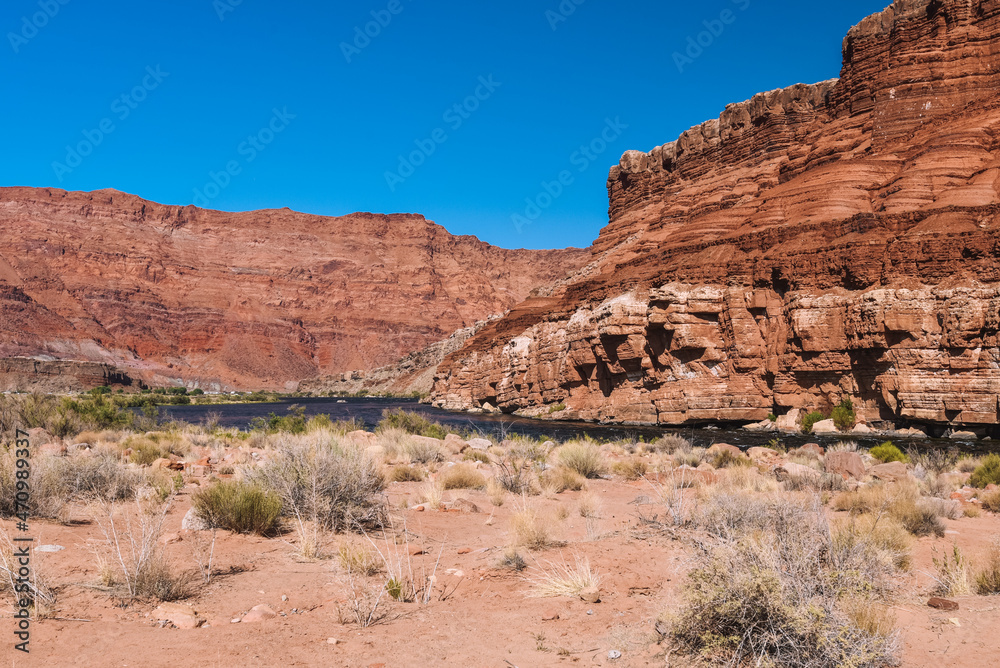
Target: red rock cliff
{"points": [[828, 240], [241, 300]]}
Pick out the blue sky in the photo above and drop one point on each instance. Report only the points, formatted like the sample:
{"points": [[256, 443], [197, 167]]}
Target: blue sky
{"points": [[461, 111]]}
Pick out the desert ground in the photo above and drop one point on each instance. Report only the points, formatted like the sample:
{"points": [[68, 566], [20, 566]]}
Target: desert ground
{"points": [[470, 552]]}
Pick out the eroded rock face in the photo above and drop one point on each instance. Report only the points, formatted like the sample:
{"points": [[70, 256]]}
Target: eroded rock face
{"points": [[241, 300], [822, 241]]}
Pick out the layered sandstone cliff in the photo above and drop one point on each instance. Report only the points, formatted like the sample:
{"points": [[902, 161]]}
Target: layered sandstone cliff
{"points": [[240, 300], [822, 241]]}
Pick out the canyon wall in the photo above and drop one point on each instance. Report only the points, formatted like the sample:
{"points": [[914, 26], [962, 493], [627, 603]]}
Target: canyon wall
{"points": [[813, 243], [264, 299]]}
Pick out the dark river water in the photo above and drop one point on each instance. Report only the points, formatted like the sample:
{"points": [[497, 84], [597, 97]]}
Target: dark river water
{"points": [[369, 411]]}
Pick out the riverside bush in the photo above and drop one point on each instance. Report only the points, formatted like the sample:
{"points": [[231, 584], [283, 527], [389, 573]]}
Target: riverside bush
{"points": [[238, 507], [987, 473], [888, 452], [411, 423], [810, 419], [843, 415]]}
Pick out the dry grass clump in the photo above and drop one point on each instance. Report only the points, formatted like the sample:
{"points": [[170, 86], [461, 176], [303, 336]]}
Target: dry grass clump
{"points": [[461, 476], [562, 479], [669, 444], [883, 540], [515, 472], [406, 473], [239, 507], [561, 579], [529, 531], [967, 464], [359, 559], [476, 456], [953, 574], [920, 516], [991, 501], [583, 457], [40, 595], [773, 588], [431, 495], [512, 560], [724, 459], [988, 575], [747, 479], [496, 492], [632, 468], [692, 457]]}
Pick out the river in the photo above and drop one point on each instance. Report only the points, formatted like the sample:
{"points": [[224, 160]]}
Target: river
{"points": [[369, 411]]}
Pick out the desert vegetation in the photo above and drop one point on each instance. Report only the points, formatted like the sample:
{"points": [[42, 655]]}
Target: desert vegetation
{"points": [[776, 556]]}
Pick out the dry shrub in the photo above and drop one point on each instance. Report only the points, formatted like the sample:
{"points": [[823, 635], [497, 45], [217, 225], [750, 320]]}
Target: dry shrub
{"points": [[132, 557], [967, 464], [690, 458], [476, 456], [529, 531], [564, 580], [582, 457], [461, 476], [431, 495], [40, 595], [406, 473], [884, 542], [239, 507], [323, 487], [512, 561], [423, 452], [725, 459], [770, 588], [57, 481], [589, 506], [562, 479], [971, 511], [632, 468], [515, 472]]}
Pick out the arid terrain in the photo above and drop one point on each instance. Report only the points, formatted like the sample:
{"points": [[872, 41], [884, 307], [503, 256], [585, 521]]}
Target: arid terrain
{"points": [[450, 550]]}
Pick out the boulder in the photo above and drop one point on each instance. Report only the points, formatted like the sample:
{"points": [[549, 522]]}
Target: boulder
{"points": [[825, 427], [813, 449], [848, 465], [725, 447], [789, 421], [181, 616], [479, 444], [765, 457], [942, 604], [963, 436], [763, 426], [792, 470], [891, 472], [862, 429], [259, 613], [192, 522], [455, 444]]}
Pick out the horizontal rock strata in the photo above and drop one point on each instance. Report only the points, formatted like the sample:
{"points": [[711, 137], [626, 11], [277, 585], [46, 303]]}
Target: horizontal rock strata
{"points": [[821, 241]]}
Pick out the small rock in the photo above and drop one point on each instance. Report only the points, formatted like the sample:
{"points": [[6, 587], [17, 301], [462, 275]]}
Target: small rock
{"points": [[465, 505], [332, 641], [963, 436], [591, 595], [891, 472], [550, 615], [793, 470], [725, 447], [942, 604], [49, 548], [181, 616], [417, 551], [614, 655], [171, 538], [825, 427], [465, 550], [813, 448], [284, 598], [479, 444], [848, 465]]}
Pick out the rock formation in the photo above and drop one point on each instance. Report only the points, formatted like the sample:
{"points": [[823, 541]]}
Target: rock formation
{"points": [[240, 300], [821, 241]]}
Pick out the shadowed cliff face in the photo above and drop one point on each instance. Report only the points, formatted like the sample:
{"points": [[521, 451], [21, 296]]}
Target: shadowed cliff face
{"points": [[241, 300], [812, 243]]}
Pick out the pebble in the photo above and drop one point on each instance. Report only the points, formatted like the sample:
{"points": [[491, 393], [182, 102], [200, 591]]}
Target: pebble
{"points": [[614, 654]]}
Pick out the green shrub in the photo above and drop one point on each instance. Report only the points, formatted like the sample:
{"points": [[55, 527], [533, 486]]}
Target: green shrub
{"points": [[412, 423], [239, 507], [103, 389], [293, 423], [887, 452], [772, 417], [987, 473], [558, 408], [197, 392], [843, 415], [810, 419]]}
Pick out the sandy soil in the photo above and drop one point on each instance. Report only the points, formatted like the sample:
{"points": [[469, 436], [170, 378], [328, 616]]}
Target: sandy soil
{"points": [[487, 618]]}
